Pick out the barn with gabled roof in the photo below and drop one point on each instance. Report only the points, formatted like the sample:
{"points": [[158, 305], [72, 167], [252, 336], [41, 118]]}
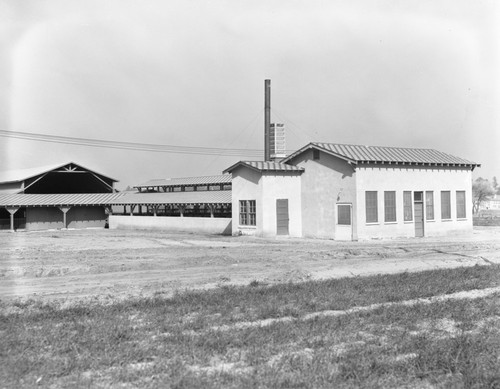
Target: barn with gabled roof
{"points": [[67, 195]]}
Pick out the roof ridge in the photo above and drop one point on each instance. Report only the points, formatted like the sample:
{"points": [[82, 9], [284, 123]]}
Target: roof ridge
{"points": [[372, 146]]}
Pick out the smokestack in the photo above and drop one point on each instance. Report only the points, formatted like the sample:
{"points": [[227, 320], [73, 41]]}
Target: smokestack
{"points": [[267, 119]]}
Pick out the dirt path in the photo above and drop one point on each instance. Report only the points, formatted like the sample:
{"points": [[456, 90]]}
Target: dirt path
{"points": [[116, 264]]}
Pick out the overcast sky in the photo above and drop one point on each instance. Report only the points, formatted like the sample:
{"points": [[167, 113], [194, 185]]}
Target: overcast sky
{"points": [[422, 73]]}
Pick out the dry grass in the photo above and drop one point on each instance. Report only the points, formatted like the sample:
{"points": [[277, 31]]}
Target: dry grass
{"points": [[178, 342]]}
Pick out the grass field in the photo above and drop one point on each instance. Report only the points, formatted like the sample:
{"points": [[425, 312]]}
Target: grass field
{"points": [[385, 331]]}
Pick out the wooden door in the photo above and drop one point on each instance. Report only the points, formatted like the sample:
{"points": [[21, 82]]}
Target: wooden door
{"points": [[282, 218]]}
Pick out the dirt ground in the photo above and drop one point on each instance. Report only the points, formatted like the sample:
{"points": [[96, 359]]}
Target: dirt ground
{"points": [[115, 264]]}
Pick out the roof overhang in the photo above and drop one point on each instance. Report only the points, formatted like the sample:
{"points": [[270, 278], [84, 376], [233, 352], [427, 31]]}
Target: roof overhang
{"points": [[261, 166]]}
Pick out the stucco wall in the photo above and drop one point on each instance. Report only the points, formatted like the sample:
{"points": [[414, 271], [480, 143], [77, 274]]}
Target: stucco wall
{"points": [[325, 183], [265, 188], [281, 186], [412, 178], [177, 224], [45, 218]]}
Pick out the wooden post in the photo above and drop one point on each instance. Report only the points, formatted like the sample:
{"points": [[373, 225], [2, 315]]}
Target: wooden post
{"points": [[132, 210], [64, 210], [12, 211]]}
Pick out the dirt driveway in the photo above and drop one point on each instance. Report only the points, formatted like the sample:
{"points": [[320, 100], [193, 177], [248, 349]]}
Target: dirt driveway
{"points": [[114, 264]]}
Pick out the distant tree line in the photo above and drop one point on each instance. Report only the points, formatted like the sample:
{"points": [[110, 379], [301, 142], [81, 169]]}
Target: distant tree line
{"points": [[482, 191]]}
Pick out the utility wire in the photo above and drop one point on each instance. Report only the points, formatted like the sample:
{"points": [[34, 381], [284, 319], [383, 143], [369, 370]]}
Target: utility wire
{"points": [[160, 148]]}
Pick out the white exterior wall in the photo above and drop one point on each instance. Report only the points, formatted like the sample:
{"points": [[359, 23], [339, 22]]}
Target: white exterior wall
{"points": [[281, 186], [325, 183], [206, 225], [246, 186], [265, 188], [415, 179]]}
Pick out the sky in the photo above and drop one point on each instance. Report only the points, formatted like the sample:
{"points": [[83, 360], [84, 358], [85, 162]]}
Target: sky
{"points": [[413, 73]]}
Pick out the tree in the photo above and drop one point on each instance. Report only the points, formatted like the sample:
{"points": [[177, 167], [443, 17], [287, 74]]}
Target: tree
{"points": [[494, 183], [482, 190]]}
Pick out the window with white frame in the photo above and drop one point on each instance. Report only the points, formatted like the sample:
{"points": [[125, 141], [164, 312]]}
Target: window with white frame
{"points": [[429, 205], [371, 206], [247, 213], [407, 206], [390, 206], [445, 204], [461, 211]]}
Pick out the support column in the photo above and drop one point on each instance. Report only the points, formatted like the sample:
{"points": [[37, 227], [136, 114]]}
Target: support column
{"points": [[211, 207], [12, 211], [64, 210], [132, 210]]}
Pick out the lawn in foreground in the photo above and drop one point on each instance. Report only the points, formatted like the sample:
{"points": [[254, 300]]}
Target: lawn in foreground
{"points": [[194, 339]]}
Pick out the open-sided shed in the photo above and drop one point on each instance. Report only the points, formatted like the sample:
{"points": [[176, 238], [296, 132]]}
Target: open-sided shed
{"points": [[59, 196]]}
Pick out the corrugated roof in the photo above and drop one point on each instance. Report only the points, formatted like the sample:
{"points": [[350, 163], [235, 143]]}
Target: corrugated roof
{"points": [[380, 154], [266, 166], [24, 174], [185, 181], [56, 199], [199, 197]]}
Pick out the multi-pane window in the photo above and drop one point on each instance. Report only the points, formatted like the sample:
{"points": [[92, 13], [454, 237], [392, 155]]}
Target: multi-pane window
{"points": [[407, 206], [461, 213], [429, 205], [445, 205], [390, 206], [247, 213], [371, 206]]}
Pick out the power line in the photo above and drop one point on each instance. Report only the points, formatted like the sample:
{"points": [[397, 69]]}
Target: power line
{"points": [[160, 148]]}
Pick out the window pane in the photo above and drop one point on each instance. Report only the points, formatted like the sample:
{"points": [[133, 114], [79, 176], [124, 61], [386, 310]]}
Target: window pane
{"points": [[445, 205], [344, 215], [429, 205], [371, 207], [390, 206], [407, 205], [461, 212]]}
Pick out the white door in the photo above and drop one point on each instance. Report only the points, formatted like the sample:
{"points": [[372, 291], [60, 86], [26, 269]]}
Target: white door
{"points": [[344, 222]]}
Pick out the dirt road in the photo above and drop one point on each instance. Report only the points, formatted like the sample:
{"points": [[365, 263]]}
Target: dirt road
{"points": [[112, 264]]}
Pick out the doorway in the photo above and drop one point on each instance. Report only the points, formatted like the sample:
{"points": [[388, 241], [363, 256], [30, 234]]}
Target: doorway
{"points": [[344, 222], [418, 204]]}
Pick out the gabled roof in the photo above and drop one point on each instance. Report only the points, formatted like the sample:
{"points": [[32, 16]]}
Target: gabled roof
{"points": [[387, 155], [187, 181], [25, 174], [262, 166]]}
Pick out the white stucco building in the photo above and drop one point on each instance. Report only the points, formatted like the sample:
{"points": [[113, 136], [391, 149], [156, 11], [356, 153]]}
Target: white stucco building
{"points": [[348, 192]]}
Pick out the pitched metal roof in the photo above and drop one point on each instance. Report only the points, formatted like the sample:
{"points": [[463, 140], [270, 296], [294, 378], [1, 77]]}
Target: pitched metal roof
{"points": [[262, 166], [380, 154], [186, 181], [198, 197], [52, 199], [24, 174]]}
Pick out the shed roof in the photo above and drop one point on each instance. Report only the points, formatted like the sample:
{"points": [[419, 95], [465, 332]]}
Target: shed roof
{"points": [[262, 166], [18, 175], [201, 197], [55, 199], [381, 154], [186, 181]]}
